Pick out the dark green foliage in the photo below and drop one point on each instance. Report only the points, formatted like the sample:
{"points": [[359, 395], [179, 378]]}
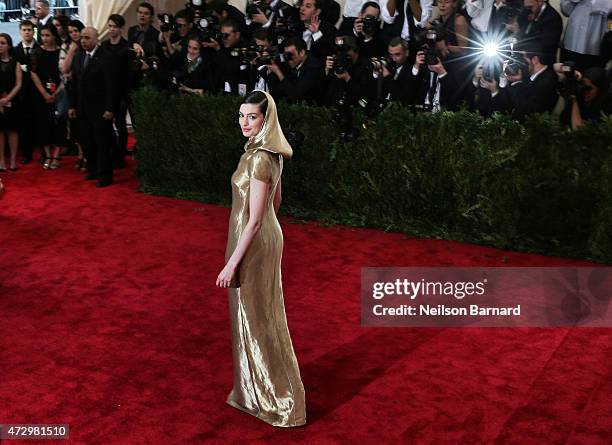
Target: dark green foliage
{"points": [[533, 186]]}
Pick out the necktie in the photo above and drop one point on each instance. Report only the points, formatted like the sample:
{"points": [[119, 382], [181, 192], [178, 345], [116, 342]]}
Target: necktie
{"points": [[28, 49], [87, 59]]}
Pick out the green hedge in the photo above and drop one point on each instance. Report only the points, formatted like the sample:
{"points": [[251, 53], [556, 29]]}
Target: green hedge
{"points": [[532, 186]]}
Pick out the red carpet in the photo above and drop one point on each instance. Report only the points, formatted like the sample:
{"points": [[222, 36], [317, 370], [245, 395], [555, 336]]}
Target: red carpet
{"points": [[110, 322]]}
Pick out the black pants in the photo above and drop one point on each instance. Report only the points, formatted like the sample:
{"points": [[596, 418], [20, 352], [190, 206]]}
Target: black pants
{"points": [[582, 61], [98, 141]]}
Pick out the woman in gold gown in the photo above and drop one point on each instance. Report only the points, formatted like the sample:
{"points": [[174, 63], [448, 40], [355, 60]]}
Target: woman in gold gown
{"points": [[267, 381]]}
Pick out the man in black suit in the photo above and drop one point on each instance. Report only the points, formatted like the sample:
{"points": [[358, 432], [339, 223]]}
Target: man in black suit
{"points": [[143, 37], [399, 84], [24, 53], [304, 80], [537, 95], [540, 22], [92, 96], [42, 16], [318, 34]]}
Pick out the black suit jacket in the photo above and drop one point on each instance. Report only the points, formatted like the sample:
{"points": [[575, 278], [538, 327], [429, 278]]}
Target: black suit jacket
{"points": [[28, 90], [403, 88], [546, 30], [325, 46], [302, 85], [92, 90], [538, 96]]}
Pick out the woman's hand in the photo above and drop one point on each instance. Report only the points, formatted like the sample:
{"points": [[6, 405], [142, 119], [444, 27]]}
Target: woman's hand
{"points": [[226, 276]]}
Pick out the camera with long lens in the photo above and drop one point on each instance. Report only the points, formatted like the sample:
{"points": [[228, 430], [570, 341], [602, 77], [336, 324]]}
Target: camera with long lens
{"points": [[342, 59], [168, 23], [208, 27], [370, 25], [376, 64], [272, 55], [247, 54]]}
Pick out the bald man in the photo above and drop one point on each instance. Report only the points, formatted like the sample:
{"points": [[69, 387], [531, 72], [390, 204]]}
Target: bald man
{"points": [[93, 96]]}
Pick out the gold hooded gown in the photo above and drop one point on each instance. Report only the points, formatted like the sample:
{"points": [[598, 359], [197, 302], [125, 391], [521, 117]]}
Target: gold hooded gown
{"points": [[267, 382]]}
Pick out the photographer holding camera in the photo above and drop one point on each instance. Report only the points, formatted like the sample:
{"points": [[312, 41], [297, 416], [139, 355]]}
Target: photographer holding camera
{"points": [[348, 73], [265, 13], [439, 83], [537, 95], [514, 72], [540, 22], [304, 77], [366, 28], [193, 74], [587, 96], [399, 83], [176, 35], [231, 70]]}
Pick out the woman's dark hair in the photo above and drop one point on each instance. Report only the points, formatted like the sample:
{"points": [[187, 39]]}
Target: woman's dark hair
{"points": [[117, 19], [64, 22], [257, 98], [76, 24], [53, 30], [598, 77], [9, 42]]}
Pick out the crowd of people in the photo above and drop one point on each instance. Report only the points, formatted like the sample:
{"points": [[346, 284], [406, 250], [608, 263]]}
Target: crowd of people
{"points": [[486, 55]]}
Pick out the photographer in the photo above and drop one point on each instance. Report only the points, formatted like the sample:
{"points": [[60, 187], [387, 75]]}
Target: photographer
{"points": [[266, 13], [539, 22], [439, 83], [317, 33], [485, 96], [175, 41], [304, 78], [232, 72], [194, 73], [366, 28], [538, 95], [589, 99], [400, 83], [262, 38], [348, 73]]}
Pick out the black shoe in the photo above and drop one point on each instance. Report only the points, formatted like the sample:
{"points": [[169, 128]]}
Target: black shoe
{"points": [[104, 183], [26, 160], [13, 169], [91, 177]]}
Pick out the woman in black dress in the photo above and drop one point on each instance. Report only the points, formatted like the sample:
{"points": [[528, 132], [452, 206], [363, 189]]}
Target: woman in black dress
{"points": [[10, 84], [47, 79]]}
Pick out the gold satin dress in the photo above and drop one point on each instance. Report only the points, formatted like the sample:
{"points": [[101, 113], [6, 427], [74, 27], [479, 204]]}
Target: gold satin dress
{"points": [[267, 382]]}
